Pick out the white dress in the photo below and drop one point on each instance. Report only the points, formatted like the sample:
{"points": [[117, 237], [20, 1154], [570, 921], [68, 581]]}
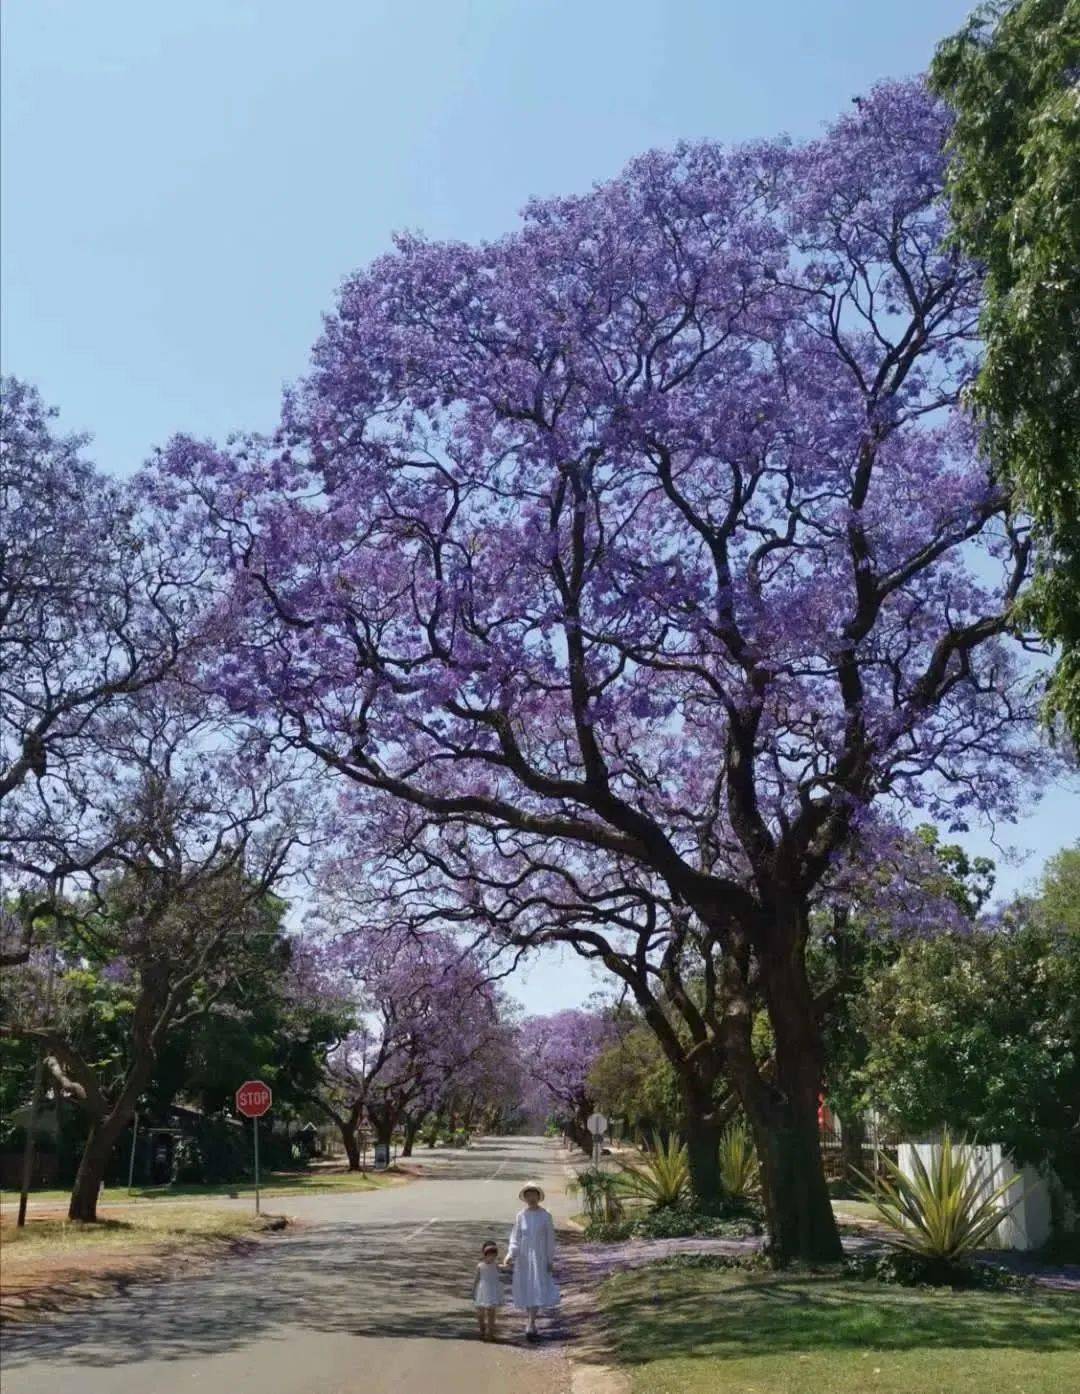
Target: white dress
{"points": [[532, 1249], [487, 1290]]}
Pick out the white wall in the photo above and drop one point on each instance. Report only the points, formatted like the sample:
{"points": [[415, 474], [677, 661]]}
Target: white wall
{"points": [[1028, 1225]]}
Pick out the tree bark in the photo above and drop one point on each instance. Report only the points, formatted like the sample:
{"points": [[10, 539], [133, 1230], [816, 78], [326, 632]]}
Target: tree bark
{"points": [[783, 1114], [411, 1127], [702, 1134], [91, 1172], [347, 1128]]}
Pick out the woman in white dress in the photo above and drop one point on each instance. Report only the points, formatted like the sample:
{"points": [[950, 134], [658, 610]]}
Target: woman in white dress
{"points": [[532, 1255]]}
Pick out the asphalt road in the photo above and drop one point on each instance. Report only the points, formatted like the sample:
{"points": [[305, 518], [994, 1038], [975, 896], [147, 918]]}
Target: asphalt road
{"points": [[371, 1293]]}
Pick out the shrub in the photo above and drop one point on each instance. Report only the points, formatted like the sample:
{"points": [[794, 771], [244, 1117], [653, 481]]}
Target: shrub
{"points": [[939, 1213], [740, 1174], [600, 1198], [686, 1222], [672, 1222], [906, 1269], [661, 1178]]}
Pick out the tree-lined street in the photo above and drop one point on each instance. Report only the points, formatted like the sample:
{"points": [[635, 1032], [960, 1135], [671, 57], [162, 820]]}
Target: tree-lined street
{"points": [[369, 1292]]}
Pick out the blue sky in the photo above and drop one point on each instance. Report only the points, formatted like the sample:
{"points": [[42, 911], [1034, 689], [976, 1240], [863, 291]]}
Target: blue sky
{"points": [[184, 185]]}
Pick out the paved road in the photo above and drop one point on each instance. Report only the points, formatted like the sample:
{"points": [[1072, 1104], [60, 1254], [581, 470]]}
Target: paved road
{"points": [[370, 1294]]}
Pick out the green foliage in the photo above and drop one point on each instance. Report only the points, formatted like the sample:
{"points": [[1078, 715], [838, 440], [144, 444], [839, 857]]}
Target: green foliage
{"points": [[943, 1212], [218, 1152], [714, 1263], [740, 1172], [662, 1177], [908, 1270], [600, 1196], [675, 1222], [1011, 77], [633, 1079], [983, 1032]]}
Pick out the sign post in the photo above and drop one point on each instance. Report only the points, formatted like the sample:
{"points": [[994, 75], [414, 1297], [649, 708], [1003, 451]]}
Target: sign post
{"points": [[253, 1099], [597, 1125]]}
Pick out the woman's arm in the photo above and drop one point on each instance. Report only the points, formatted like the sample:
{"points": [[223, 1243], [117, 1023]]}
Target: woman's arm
{"points": [[515, 1239]]}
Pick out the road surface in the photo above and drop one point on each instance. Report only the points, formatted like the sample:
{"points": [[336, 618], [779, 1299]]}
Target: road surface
{"points": [[369, 1294]]}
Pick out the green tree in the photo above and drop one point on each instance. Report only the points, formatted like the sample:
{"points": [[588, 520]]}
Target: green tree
{"points": [[1012, 77], [982, 1032], [854, 945]]}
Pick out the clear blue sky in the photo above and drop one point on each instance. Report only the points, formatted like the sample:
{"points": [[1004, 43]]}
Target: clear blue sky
{"points": [[184, 184]]}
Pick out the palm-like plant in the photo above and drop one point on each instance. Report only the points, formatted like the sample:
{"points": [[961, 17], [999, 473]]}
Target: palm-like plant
{"points": [[942, 1212], [740, 1174], [661, 1178], [600, 1198]]}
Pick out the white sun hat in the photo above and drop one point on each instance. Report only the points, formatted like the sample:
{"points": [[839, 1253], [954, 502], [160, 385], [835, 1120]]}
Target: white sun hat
{"points": [[531, 1186]]}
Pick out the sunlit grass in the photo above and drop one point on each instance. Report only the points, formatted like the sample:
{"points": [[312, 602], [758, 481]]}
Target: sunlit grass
{"points": [[709, 1332], [276, 1184], [155, 1229]]}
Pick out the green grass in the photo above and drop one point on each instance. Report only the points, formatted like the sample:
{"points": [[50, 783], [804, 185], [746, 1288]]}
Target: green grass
{"points": [[283, 1183], [727, 1332]]}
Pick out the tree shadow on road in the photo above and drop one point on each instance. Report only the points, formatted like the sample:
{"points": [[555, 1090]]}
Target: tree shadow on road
{"points": [[379, 1280]]}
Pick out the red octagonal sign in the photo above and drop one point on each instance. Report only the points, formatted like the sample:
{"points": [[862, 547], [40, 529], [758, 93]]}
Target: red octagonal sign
{"points": [[253, 1098]]}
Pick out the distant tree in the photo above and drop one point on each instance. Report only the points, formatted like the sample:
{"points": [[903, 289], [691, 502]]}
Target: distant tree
{"points": [[180, 909], [633, 1079], [558, 1053], [419, 1014], [1012, 79]]}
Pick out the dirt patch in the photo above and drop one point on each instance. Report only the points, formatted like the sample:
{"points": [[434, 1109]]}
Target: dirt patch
{"points": [[38, 1284]]}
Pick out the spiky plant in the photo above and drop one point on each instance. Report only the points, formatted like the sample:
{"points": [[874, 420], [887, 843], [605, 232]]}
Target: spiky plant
{"points": [[600, 1197], [661, 1178], [740, 1173], [940, 1212]]}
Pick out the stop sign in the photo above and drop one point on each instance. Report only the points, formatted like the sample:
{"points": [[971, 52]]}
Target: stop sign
{"points": [[253, 1098]]}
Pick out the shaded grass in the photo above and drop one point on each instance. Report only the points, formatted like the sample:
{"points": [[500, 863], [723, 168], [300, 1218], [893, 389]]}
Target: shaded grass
{"points": [[711, 1332]]}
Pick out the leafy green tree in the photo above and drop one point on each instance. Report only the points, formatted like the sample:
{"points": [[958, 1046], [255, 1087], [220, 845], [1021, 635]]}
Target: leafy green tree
{"points": [[633, 1079], [982, 1032], [1012, 77], [854, 945]]}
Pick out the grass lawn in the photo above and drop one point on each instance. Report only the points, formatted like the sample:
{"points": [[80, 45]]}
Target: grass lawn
{"points": [[276, 1183], [726, 1332]]}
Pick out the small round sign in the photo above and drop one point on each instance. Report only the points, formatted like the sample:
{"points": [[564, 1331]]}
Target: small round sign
{"points": [[597, 1124], [253, 1098]]}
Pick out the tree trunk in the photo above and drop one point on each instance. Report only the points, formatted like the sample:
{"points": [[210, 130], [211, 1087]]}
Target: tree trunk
{"points": [[411, 1128], [347, 1129], [783, 1114], [91, 1172], [578, 1132], [702, 1135]]}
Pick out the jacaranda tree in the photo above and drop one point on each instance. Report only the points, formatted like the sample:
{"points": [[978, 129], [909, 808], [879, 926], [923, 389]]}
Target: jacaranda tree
{"points": [[558, 1053], [646, 561]]}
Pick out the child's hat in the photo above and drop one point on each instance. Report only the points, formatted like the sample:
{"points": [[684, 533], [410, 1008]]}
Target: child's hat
{"points": [[531, 1186]]}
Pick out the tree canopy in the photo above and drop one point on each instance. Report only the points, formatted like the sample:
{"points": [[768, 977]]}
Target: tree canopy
{"points": [[1012, 79]]}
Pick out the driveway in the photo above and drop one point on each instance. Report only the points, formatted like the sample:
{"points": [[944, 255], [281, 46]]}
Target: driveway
{"points": [[370, 1294]]}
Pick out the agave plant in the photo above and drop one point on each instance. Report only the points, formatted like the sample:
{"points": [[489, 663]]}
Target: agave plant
{"points": [[740, 1174], [600, 1198], [661, 1178], [943, 1211]]}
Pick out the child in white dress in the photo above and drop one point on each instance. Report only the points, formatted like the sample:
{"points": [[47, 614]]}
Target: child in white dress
{"points": [[532, 1254], [487, 1290]]}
